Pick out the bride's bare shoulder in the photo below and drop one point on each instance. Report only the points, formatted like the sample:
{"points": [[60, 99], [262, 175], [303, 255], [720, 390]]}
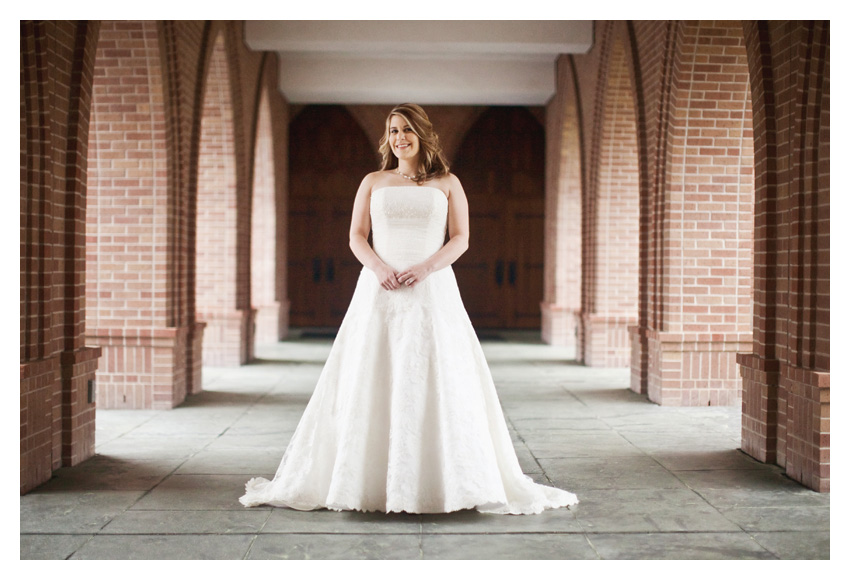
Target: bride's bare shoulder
{"points": [[451, 184], [379, 178]]}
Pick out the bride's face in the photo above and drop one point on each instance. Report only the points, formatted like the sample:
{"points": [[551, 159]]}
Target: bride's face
{"points": [[404, 142]]}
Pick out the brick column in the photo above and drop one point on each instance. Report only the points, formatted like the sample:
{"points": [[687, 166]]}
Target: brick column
{"points": [[263, 226], [222, 299], [610, 216], [786, 378], [561, 307], [128, 258], [700, 224], [57, 417]]}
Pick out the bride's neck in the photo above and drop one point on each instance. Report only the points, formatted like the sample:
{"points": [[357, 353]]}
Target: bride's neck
{"points": [[408, 167]]}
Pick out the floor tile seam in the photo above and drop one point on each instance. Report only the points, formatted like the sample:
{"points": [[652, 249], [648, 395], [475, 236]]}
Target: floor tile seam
{"points": [[421, 534], [120, 534], [81, 546], [265, 522], [748, 533], [670, 532], [258, 509], [593, 547], [211, 441], [739, 505], [533, 456], [704, 499], [244, 412], [157, 484], [151, 418], [247, 553]]}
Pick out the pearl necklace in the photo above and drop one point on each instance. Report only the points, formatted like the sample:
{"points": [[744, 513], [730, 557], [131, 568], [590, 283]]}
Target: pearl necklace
{"points": [[405, 176]]}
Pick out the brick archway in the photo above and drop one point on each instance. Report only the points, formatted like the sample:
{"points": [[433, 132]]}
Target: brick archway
{"points": [[264, 226], [561, 306], [219, 289], [610, 217], [786, 379], [127, 223], [699, 224], [57, 368]]}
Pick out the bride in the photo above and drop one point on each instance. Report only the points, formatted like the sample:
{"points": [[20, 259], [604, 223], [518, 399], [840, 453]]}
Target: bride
{"points": [[405, 416]]}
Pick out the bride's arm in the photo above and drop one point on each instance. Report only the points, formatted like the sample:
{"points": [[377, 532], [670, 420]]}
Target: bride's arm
{"points": [[458, 238], [358, 237]]}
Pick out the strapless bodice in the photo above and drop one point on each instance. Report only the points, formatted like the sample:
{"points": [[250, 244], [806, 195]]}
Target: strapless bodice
{"points": [[408, 223]]}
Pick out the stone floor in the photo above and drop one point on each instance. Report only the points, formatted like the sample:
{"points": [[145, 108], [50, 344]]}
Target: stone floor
{"points": [[653, 482]]}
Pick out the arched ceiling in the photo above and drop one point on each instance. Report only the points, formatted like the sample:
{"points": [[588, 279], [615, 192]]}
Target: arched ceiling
{"points": [[501, 62]]}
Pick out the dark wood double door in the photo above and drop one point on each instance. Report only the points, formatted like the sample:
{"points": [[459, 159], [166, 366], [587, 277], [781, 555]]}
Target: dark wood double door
{"points": [[501, 166], [501, 275], [322, 270], [328, 156]]}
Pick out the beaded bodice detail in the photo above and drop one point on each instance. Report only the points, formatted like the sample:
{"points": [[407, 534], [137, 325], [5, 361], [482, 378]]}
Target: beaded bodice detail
{"points": [[408, 223]]}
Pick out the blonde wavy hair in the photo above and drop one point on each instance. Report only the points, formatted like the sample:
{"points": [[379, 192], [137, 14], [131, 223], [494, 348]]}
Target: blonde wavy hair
{"points": [[432, 164]]}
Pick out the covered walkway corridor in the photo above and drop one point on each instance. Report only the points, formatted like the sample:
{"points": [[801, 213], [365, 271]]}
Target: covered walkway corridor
{"points": [[654, 481], [650, 221]]}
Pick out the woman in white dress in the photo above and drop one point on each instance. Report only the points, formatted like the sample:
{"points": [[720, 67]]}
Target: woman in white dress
{"points": [[405, 416]]}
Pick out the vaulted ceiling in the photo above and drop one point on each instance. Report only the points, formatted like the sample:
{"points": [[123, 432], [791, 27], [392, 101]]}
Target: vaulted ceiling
{"points": [[500, 62]]}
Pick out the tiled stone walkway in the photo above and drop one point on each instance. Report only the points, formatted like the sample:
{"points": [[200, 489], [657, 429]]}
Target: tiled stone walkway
{"points": [[653, 482]]}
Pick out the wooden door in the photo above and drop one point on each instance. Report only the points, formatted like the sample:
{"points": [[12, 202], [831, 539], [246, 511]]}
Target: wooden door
{"points": [[501, 166], [304, 272], [329, 155], [524, 280], [478, 275]]}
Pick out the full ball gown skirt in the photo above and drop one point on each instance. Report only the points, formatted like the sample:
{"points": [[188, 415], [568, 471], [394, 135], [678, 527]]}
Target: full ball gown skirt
{"points": [[405, 415]]}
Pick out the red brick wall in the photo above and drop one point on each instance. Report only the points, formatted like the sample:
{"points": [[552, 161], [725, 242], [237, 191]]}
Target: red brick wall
{"points": [[148, 323], [561, 307], [216, 276], [263, 224], [127, 308], [57, 419], [734, 222], [689, 322], [280, 132], [610, 216], [700, 301], [786, 379]]}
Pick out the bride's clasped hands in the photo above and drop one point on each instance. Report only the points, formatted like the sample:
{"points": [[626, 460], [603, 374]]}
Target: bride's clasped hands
{"points": [[389, 279]]}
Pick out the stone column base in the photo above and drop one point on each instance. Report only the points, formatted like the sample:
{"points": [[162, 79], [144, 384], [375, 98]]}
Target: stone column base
{"points": [[803, 426], [759, 406], [195, 347], [687, 369], [78, 404], [605, 340], [786, 418], [639, 359], [283, 320], [41, 395], [228, 337], [558, 324], [267, 327], [141, 368]]}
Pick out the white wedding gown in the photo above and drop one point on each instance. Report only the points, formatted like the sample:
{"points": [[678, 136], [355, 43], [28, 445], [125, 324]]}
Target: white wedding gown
{"points": [[405, 415]]}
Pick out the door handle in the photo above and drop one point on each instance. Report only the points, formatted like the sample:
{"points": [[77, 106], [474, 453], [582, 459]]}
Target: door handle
{"points": [[329, 270], [317, 269], [500, 272], [512, 273]]}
